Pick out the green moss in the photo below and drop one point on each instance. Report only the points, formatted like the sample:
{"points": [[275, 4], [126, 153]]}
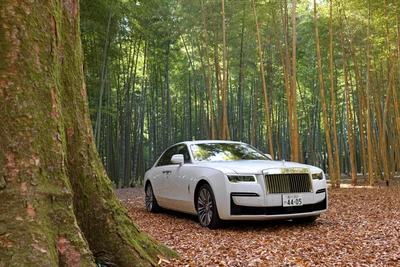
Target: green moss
{"points": [[5, 45], [4, 49], [69, 170]]}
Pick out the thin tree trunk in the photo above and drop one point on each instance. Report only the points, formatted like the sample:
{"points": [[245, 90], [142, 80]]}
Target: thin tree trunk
{"points": [[336, 162], [368, 106], [349, 122], [268, 119], [167, 126], [103, 80], [240, 102], [286, 65], [208, 77], [197, 89], [391, 90], [219, 84], [381, 142], [139, 118], [224, 134], [254, 119], [361, 107], [295, 148], [307, 118], [336, 183], [285, 69], [130, 118]]}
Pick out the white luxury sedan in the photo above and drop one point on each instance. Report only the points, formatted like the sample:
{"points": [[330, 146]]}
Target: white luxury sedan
{"points": [[224, 180]]}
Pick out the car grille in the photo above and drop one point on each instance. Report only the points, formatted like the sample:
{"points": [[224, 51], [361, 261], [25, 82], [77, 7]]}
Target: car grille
{"points": [[288, 183]]}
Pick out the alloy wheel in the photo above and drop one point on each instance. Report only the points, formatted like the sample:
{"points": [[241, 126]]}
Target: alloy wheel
{"points": [[205, 207]]}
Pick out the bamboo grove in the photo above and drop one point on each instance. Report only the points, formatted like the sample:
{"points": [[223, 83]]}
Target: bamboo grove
{"points": [[310, 81]]}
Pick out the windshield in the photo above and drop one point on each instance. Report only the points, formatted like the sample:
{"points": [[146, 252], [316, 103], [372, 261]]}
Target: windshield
{"points": [[225, 152]]}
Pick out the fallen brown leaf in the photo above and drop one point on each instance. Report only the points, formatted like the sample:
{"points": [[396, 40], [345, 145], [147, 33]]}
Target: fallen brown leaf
{"points": [[361, 228]]}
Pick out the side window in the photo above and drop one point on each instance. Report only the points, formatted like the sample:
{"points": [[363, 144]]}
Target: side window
{"points": [[166, 157], [182, 149]]}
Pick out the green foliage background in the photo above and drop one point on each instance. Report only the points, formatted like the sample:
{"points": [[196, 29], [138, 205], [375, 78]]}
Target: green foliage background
{"points": [[146, 73]]}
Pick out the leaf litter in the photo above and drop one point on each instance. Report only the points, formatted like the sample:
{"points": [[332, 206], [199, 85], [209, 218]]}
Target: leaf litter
{"points": [[361, 228]]}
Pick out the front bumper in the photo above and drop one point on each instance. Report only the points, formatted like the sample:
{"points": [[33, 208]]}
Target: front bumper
{"points": [[278, 211], [270, 206], [263, 200]]}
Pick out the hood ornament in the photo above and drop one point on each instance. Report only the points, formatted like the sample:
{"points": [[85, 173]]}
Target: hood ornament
{"points": [[283, 162]]}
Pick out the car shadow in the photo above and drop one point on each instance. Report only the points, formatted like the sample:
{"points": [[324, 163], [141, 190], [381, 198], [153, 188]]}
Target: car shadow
{"points": [[180, 215], [239, 225], [267, 225]]}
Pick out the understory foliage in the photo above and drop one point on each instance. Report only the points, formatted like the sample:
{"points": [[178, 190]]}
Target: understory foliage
{"points": [[159, 72], [361, 228]]}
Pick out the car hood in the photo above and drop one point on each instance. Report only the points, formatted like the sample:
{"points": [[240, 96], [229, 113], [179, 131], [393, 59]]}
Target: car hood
{"points": [[256, 166]]}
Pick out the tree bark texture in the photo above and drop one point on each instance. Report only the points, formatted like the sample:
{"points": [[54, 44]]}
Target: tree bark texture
{"points": [[57, 204]]}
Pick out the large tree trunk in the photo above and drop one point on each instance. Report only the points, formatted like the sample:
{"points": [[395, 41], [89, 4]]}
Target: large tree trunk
{"points": [[57, 204]]}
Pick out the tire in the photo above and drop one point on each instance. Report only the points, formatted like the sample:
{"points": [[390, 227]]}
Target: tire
{"points": [[207, 208], [151, 201]]}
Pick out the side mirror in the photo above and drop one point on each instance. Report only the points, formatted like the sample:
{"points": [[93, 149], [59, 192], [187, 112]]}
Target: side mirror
{"points": [[177, 159]]}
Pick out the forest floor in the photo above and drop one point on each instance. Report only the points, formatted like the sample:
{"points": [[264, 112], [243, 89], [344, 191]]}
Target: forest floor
{"points": [[361, 228]]}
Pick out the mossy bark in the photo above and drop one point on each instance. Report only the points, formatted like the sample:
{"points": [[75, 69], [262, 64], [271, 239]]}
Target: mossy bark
{"points": [[56, 202]]}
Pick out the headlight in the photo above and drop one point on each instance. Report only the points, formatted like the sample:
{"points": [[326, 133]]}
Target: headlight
{"points": [[241, 178], [317, 176]]}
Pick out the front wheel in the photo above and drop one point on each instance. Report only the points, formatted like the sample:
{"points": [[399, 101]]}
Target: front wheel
{"points": [[151, 202], [207, 208]]}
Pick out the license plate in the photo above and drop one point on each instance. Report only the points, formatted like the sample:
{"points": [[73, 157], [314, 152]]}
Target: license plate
{"points": [[292, 200]]}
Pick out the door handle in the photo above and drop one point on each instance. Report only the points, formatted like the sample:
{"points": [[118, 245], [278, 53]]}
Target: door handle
{"points": [[166, 172]]}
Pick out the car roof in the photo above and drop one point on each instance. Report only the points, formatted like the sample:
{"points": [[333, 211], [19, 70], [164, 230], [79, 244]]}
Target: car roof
{"points": [[195, 142]]}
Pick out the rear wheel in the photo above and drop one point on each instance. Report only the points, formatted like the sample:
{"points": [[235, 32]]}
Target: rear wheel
{"points": [[207, 208], [151, 202]]}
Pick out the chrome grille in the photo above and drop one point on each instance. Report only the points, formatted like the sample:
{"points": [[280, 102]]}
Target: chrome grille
{"points": [[288, 183]]}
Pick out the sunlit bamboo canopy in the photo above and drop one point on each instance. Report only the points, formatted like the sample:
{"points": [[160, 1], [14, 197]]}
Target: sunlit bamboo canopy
{"points": [[311, 81]]}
